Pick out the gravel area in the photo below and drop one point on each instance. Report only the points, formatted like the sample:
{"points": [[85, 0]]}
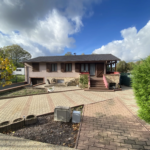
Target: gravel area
{"points": [[47, 130]]}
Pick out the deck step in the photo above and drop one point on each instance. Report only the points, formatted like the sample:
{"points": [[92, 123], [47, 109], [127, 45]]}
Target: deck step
{"points": [[97, 83], [98, 90], [96, 80], [98, 87]]}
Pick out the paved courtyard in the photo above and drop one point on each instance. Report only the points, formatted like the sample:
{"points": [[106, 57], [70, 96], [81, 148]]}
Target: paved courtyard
{"points": [[112, 110], [13, 108], [111, 126]]}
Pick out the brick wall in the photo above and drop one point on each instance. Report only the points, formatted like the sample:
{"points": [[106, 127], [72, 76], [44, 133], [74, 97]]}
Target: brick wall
{"points": [[112, 78]]}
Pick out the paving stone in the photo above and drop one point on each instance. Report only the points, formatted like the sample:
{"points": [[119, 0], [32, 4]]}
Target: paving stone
{"points": [[148, 142], [126, 145], [111, 147], [129, 141], [137, 146], [140, 143], [147, 147], [94, 148], [122, 148], [99, 145], [122, 137]]}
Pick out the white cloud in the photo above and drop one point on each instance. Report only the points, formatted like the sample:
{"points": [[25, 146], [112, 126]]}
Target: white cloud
{"points": [[43, 26], [134, 46]]}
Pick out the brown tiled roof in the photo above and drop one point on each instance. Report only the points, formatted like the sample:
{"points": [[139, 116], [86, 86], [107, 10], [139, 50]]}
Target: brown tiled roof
{"points": [[74, 58]]}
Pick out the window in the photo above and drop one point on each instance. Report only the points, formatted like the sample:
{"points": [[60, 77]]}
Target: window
{"points": [[35, 67], [18, 70], [54, 67], [51, 67], [68, 67], [84, 68]]}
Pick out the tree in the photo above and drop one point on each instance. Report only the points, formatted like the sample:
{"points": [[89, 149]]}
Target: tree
{"points": [[16, 53], [130, 65], [68, 54], [121, 66], [3, 54], [141, 87], [138, 62], [82, 54], [6, 71], [93, 54]]}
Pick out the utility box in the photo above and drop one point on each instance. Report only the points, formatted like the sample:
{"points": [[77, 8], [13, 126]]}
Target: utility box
{"points": [[62, 113], [76, 116]]}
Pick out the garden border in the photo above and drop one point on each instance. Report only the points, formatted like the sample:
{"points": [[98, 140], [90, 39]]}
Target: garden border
{"points": [[78, 134], [38, 84], [53, 111], [9, 89], [1, 98]]}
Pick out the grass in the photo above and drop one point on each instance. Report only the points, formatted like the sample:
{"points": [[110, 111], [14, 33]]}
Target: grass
{"points": [[23, 91], [20, 78]]}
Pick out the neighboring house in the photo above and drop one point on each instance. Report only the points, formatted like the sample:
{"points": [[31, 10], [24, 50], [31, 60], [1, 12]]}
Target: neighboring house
{"points": [[41, 69], [19, 71]]}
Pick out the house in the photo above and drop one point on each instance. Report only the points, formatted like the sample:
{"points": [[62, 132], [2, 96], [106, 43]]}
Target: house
{"points": [[66, 68], [19, 71]]}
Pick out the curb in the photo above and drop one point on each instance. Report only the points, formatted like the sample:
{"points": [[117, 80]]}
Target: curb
{"points": [[78, 135], [1, 98]]}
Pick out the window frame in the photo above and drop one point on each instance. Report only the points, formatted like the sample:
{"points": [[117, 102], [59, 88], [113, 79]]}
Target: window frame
{"points": [[18, 69], [84, 66], [68, 67], [53, 64], [37, 67]]}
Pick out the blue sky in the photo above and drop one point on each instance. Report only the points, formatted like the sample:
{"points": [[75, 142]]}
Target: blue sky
{"points": [[119, 27], [109, 18]]}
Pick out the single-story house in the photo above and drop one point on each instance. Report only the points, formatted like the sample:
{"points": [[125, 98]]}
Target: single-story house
{"points": [[67, 68]]}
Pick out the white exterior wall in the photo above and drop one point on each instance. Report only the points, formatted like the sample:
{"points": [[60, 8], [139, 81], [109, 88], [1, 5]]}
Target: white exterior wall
{"points": [[21, 72], [42, 73]]}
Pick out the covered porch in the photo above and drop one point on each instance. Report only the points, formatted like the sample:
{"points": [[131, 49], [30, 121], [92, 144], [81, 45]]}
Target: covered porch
{"points": [[97, 69], [102, 76]]}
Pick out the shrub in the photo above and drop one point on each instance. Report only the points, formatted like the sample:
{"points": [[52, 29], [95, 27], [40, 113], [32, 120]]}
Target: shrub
{"points": [[84, 80], [141, 86]]}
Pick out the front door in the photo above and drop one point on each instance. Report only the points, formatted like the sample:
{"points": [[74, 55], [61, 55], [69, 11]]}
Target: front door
{"points": [[100, 69], [92, 69]]}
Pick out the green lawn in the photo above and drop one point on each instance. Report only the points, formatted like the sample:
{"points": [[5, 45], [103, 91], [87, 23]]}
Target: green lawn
{"points": [[23, 91], [20, 78]]}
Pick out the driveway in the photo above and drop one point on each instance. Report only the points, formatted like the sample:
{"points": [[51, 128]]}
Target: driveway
{"points": [[109, 125], [11, 109]]}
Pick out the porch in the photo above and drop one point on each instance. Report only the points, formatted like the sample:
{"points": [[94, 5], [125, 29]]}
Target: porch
{"points": [[102, 76], [97, 69]]}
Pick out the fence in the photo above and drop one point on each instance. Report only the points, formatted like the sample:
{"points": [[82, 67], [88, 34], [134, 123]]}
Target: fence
{"points": [[125, 79]]}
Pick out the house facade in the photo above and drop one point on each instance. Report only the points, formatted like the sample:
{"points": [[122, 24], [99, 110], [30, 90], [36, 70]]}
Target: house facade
{"points": [[44, 69]]}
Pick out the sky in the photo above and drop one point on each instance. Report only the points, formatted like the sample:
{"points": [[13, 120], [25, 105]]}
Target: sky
{"points": [[55, 27]]}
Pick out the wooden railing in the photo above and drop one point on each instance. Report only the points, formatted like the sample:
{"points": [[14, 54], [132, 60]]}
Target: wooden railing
{"points": [[105, 81], [113, 73]]}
